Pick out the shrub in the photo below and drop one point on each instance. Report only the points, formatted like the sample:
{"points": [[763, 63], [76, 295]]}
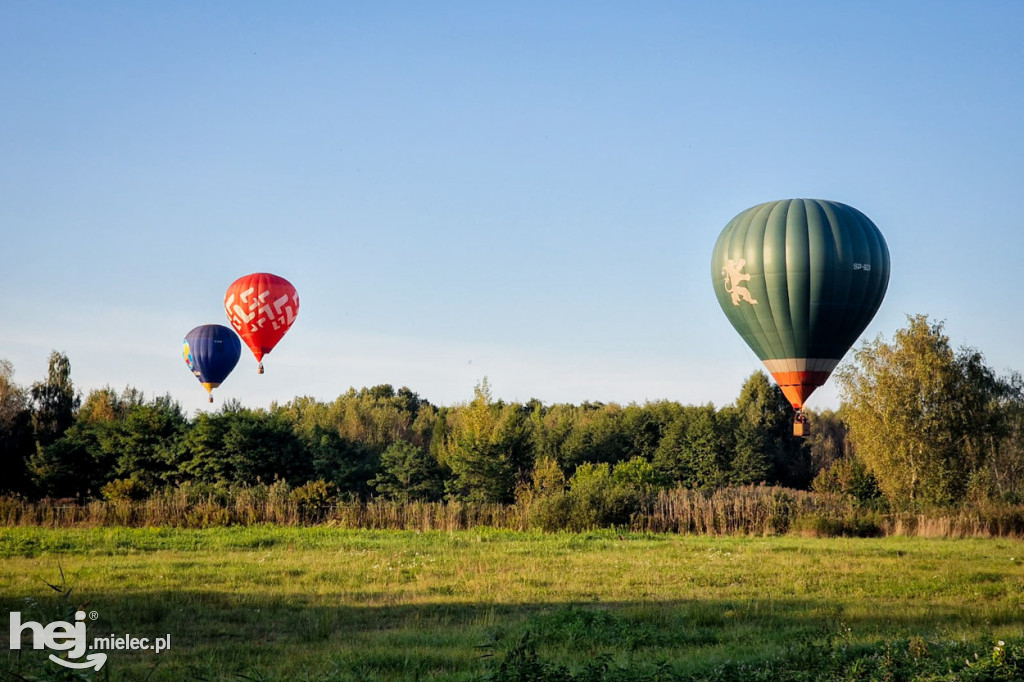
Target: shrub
{"points": [[821, 526], [600, 496], [848, 476], [207, 515], [314, 500], [125, 489]]}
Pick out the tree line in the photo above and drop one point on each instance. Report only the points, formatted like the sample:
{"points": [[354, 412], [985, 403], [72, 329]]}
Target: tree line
{"points": [[920, 423], [380, 442]]}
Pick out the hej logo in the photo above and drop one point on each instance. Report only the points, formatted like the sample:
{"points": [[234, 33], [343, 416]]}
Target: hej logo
{"points": [[59, 636]]}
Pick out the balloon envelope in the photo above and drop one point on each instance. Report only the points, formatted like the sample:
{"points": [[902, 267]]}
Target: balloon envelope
{"points": [[211, 351], [800, 279], [261, 308]]}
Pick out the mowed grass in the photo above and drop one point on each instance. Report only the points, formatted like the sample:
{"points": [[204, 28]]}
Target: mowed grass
{"points": [[272, 603]]}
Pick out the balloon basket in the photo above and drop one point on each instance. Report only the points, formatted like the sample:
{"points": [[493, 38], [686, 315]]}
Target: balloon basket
{"points": [[801, 429], [211, 398], [259, 370]]}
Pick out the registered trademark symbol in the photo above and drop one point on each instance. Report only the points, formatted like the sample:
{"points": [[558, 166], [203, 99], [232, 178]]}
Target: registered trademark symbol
{"points": [[93, 615]]}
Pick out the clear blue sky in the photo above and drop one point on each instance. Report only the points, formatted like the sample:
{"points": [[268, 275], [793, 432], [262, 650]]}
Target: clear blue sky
{"points": [[526, 191]]}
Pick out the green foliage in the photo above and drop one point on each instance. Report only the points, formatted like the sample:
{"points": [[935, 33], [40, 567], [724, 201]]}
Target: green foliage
{"points": [[828, 441], [640, 474], [66, 467], [968, 448], [125, 489], [589, 493], [823, 656], [16, 434], [348, 465], [600, 495], [544, 498], [862, 525], [695, 451], [314, 500], [644, 426], [395, 444], [243, 446], [54, 401], [59, 469], [750, 442], [1004, 455], [513, 438], [407, 473], [922, 417], [596, 435], [848, 476], [765, 441], [145, 442], [752, 461], [487, 449]]}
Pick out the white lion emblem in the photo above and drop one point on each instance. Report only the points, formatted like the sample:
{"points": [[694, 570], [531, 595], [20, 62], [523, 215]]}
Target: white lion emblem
{"points": [[734, 279]]}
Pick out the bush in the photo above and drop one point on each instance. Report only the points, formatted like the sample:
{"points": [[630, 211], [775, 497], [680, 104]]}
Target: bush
{"points": [[314, 500], [550, 512], [820, 526], [600, 496], [848, 476], [208, 515], [125, 489]]}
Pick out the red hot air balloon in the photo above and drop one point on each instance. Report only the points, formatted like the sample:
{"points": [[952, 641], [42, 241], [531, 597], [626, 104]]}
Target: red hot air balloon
{"points": [[261, 308]]}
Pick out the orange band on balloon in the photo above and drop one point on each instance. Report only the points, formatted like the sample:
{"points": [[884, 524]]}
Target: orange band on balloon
{"points": [[798, 386]]}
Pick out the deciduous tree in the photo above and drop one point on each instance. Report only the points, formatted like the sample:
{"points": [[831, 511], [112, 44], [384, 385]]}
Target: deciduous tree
{"points": [[917, 412], [16, 443], [54, 401]]}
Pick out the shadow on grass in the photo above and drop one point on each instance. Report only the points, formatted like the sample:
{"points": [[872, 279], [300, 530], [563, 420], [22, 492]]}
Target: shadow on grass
{"points": [[219, 636]]}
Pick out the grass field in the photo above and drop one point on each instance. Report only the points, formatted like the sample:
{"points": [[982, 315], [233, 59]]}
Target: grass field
{"points": [[271, 603]]}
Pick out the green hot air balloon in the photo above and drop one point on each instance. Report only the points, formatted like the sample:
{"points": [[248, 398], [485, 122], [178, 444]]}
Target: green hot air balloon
{"points": [[800, 279]]}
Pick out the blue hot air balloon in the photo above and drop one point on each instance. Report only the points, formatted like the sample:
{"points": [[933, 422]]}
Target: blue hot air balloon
{"points": [[211, 352]]}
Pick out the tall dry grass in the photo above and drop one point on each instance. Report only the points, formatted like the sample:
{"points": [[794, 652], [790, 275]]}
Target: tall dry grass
{"points": [[750, 510], [274, 504], [984, 521]]}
